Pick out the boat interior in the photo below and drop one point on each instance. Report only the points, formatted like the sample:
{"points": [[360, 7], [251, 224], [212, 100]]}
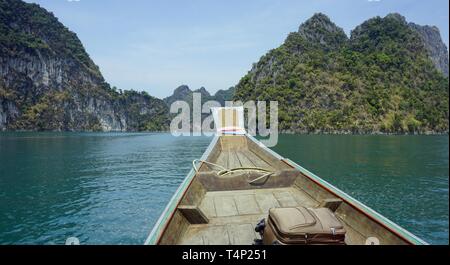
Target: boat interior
{"points": [[224, 208]]}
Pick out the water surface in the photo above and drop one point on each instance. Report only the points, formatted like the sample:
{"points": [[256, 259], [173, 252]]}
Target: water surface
{"points": [[110, 188], [405, 178], [102, 188]]}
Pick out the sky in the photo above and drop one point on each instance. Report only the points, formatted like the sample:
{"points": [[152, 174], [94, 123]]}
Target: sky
{"points": [[156, 46]]}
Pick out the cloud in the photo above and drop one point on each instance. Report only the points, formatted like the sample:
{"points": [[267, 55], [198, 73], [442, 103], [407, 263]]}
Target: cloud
{"points": [[373, 0], [73, 0]]}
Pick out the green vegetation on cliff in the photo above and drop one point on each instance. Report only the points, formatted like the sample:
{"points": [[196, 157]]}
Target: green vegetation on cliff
{"points": [[379, 80], [49, 82], [389, 76], [28, 27]]}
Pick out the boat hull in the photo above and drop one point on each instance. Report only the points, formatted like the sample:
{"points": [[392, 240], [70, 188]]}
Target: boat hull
{"points": [[212, 207]]}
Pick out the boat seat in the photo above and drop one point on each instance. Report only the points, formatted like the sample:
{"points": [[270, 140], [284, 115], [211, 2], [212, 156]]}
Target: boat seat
{"points": [[193, 214], [300, 225], [331, 203]]}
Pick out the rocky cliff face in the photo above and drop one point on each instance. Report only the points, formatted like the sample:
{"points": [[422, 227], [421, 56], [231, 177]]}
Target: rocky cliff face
{"points": [[184, 93], [319, 29], [224, 95], [387, 77], [180, 93], [49, 82], [436, 48]]}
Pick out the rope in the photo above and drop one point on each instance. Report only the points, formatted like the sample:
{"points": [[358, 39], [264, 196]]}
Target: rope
{"points": [[206, 162], [224, 171], [263, 176]]}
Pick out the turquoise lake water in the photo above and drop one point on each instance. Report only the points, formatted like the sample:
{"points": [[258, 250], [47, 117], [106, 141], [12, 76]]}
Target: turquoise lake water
{"points": [[110, 188]]}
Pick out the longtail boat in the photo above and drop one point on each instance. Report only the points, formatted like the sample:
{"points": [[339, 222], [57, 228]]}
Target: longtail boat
{"points": [[238, 181]]}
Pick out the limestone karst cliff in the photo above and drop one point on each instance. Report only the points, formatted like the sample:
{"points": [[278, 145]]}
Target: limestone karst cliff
{"points": [[387, 77], [49, 82]]}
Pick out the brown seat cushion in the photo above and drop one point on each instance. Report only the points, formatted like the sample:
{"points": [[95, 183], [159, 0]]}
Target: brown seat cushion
{"points": [[300, 220]]}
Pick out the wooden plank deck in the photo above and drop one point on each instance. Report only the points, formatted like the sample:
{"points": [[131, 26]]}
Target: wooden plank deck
{"points": [[241, 158], [234, 214]]}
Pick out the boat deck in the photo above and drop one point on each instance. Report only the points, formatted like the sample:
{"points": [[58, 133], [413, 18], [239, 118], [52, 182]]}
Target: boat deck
{"points": [[241, 157], [223, 209], [233, 214]]}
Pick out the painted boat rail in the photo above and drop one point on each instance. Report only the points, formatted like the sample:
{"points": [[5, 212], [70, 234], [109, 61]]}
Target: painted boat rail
{"points": [[158, 228]]}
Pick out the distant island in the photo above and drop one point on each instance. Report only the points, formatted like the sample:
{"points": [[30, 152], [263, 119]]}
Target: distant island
{"points": [[389, 76]]}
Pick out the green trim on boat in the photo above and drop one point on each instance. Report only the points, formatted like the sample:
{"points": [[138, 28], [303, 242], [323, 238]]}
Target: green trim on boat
{"points": [[171, 206]]}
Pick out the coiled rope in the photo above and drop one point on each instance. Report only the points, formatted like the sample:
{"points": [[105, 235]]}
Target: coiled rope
{"points": [[224, 171]]}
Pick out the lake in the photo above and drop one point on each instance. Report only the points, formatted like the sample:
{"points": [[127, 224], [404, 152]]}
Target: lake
{"points": [[110, 188]]}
